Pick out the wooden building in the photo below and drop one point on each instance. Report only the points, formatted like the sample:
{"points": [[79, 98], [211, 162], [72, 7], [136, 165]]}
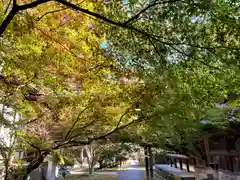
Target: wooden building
{"points": [[222, 162], [223, 148], [219, 150]]}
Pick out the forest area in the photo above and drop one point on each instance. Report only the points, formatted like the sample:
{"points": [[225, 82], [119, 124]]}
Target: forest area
{"points": [[102, 74]]}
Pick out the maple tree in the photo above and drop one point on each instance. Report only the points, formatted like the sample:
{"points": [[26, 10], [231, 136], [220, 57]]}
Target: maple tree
{"points": [[65, 98]]}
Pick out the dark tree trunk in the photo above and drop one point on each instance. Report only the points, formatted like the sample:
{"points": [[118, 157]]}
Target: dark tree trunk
{"points": [[150, 161], [146, 161], [91, 166]]}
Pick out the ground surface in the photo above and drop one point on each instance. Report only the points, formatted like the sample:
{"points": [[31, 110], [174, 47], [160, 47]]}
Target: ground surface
{"points": [[133, 173], [94, 177]]}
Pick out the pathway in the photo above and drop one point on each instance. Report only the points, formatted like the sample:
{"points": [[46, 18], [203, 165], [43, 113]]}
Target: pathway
{"points": [[132, 174]]}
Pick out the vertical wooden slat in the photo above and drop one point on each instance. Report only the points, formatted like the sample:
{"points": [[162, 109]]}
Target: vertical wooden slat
{"points": [[175, 162], [231, 163], [181, 165], [187, 164]]}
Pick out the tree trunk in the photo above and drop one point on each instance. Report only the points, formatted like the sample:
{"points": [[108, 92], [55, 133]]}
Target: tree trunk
{"points": [[91, 167], [6, 164], [150, 161], [146, 162], [90, 159], [82, 157]]}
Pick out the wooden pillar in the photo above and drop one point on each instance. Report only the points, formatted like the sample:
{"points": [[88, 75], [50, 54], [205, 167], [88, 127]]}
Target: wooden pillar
{"points": [[187, 164], [146, 161], [150, 161], [181, 165], [175, 163]]}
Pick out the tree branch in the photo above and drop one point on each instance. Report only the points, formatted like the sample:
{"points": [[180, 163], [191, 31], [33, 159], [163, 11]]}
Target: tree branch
{"points": [[90, 123], [50, 12], [15, 9], [8, 19], [148, 7], [75, 122], [105, 19], [125, 25], [33, 146], [83, 127], [72, 143], [9, 3], [122, 117], [54, 11], [86, 11]]}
